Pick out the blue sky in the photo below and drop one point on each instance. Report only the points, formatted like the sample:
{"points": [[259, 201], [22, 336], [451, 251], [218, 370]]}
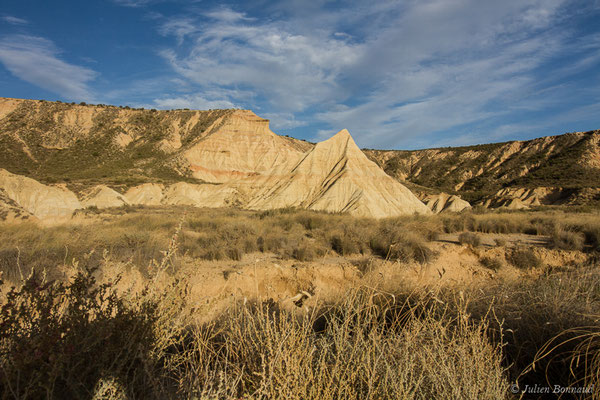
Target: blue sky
{"points": [[397, 74]]}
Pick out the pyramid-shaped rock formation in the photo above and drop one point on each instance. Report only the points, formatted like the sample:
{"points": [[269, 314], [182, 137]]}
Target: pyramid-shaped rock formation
{"points": [[336, 176]]}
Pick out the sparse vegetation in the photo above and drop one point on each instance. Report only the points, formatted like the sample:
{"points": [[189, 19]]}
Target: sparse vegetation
{"points": [[378, 339], [472, 239], [492, 263], [524, 258]]}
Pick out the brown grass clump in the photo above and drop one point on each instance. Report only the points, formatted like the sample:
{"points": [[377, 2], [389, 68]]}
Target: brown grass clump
{"points": [[566, 239], [492, 263], [360, 348], [523, 258], [469, 238]]}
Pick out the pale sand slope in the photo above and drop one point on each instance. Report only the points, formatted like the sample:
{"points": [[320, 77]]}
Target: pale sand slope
{"points": [[38, 199], [444, 202], [150, 194], [10, 211], [103, 197]]}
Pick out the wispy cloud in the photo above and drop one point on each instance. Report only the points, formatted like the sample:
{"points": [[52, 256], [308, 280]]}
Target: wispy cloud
{"points": [[133, 3], [229, 50], [10, 19], [195, 101], [37, 61]]}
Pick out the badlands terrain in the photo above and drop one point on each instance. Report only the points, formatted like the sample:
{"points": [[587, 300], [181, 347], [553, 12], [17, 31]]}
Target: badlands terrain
{"points": [[197, 254]]}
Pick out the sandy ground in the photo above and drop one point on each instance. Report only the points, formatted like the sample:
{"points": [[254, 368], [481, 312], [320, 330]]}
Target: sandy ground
{"points": [[215, 285]]}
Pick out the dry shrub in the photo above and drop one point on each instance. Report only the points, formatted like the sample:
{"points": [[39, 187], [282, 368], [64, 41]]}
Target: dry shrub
{"points": [[523, 258], [363, 349], [392, 241], [548, 326], [566, 239], [492, 263], [59, 340], [500, 242], [469, 238]]}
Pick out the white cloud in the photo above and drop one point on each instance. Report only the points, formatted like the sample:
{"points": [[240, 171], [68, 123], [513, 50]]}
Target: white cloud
{"points": [[283, 121], [292, 70], [9, 19], [194, 102], [36, 60], [394, 73]]}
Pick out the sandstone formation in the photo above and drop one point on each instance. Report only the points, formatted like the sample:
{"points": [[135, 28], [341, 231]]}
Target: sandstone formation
{"points": [[444, 202], [571, 160], [242, 146], [206, 195], [10, 211], [336, 176], [40, 200], [222, 158]]}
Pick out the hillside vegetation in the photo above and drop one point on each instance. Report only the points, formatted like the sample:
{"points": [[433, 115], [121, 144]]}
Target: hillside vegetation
{"points": [[569, 161], [60, 142]]}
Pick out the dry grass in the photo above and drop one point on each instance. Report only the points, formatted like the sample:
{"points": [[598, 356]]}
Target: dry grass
{"points": [[366, 346], [415, 343], [139, 236]]}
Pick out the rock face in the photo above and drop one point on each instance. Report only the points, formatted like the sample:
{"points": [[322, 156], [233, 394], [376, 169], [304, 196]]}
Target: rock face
{"points": [[336, 176], [40, 200], [444, 202], [242, 146], [206, 195], [150, 194], [10, 211]]}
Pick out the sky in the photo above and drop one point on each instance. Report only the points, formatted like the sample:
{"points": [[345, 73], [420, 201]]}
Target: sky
{"points": [[404, 74]]}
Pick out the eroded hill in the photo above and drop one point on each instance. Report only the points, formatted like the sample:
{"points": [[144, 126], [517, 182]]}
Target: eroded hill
{"points": [[563, 168], [108, 157]]}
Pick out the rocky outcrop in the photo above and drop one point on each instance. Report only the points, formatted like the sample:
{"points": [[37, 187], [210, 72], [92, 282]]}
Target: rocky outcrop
{"points": [[336, 176], [242, 145], [150, 194], [505, 202], [570, 160], [444, 202], [103, 197], [40, 200]]}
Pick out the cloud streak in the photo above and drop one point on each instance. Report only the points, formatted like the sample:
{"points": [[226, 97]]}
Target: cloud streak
{"points": [[12, 20], [37, 60]]}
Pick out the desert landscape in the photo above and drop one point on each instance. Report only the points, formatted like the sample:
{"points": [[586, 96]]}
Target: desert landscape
{"points": [[197, 254]]}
